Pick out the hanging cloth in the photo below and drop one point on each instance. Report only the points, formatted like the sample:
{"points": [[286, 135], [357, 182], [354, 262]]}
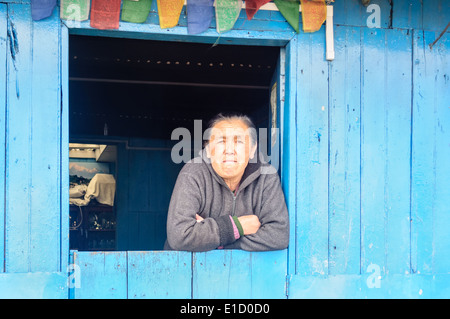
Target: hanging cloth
{"points": [[105, 14], [314, 14], [136, 11], [290, 11], [252, 6], [75, 10], [227, 13], [41, 9], [169, 12], [199, 15]]}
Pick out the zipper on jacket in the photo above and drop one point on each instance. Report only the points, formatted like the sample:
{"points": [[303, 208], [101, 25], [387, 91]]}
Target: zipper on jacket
{"points": [[234, 203]]}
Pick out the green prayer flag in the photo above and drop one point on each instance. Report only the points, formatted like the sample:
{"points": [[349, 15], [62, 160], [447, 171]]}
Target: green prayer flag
{"points": [[135, 11], [290, 9], [76, 10], [227, 13]]}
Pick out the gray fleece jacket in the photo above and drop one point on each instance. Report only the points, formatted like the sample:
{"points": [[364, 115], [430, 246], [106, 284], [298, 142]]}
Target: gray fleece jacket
{"points": [[199, 190]]}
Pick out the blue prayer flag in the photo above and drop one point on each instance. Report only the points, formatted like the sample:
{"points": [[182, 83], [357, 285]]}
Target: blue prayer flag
{"points": [[199, 15], [41, 9]]}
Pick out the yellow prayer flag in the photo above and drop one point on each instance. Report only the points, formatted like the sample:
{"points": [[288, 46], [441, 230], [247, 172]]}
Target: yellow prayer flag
{"points": [[169, 12], [314, 14]]}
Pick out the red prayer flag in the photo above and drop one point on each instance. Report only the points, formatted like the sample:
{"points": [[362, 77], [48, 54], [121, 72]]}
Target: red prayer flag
{"points": [[252, 6], [105, 14]]}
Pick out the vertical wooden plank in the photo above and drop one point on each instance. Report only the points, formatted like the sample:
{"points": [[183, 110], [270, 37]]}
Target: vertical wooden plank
{"points": [[436, 15], [122, 198], [408, 14], [239, 274], [45, 191], [344, 185], [398, 150], [64, 152], [312, 155], [221, 274], [3, 74], [289, 148], [385, 150], [146, 178], [268, 274], [373, 149], [159, 274], [18, 157], [138, 173], [33, 166], [102, 275], [441, 52], [430, 154]]}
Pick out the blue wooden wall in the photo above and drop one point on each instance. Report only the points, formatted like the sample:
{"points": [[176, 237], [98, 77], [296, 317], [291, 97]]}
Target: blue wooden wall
{"points": [[33, 231], [146, 176], [365, 165]]}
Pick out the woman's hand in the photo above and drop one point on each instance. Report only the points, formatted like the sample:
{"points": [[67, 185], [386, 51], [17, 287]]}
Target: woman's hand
{"points": [[250, 224]]}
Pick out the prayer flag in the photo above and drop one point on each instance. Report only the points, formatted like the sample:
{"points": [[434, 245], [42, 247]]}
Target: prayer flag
{"points": [[76, 10], [290, 11], [314, 14], [169, 12], [227, 13], [105, 14], [136, 11], [252, 6], [199, 15], [41, 9]]}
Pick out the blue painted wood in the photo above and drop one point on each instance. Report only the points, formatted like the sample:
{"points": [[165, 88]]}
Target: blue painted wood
{"points": [[18, 157], [289, 148], [64, 152], [239, 274], [353, 13], [398, 92], [33, 140], [436, 15], [273, 144], [312, 155], [393, 286], [35, 285], [159, 274], [3, 74], [145, 179], [408, 14], [430, 154], [45, 145], [344, 153], [102, 275], [385, 150]]}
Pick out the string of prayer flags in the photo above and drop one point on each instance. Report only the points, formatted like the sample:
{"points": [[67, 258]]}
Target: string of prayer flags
{"points": [[290, 11], [314, 14], [227, 13], [252, 6], [105, 14], [41, 9], [136, 11], [169, 12], [75, 10], [199, 15]]}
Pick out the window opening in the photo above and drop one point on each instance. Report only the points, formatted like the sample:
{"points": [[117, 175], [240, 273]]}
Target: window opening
{"points": [[126, 98]]}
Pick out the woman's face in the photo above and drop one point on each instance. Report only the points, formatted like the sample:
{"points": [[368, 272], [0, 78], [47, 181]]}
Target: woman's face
{"points": [[230, 148]]}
